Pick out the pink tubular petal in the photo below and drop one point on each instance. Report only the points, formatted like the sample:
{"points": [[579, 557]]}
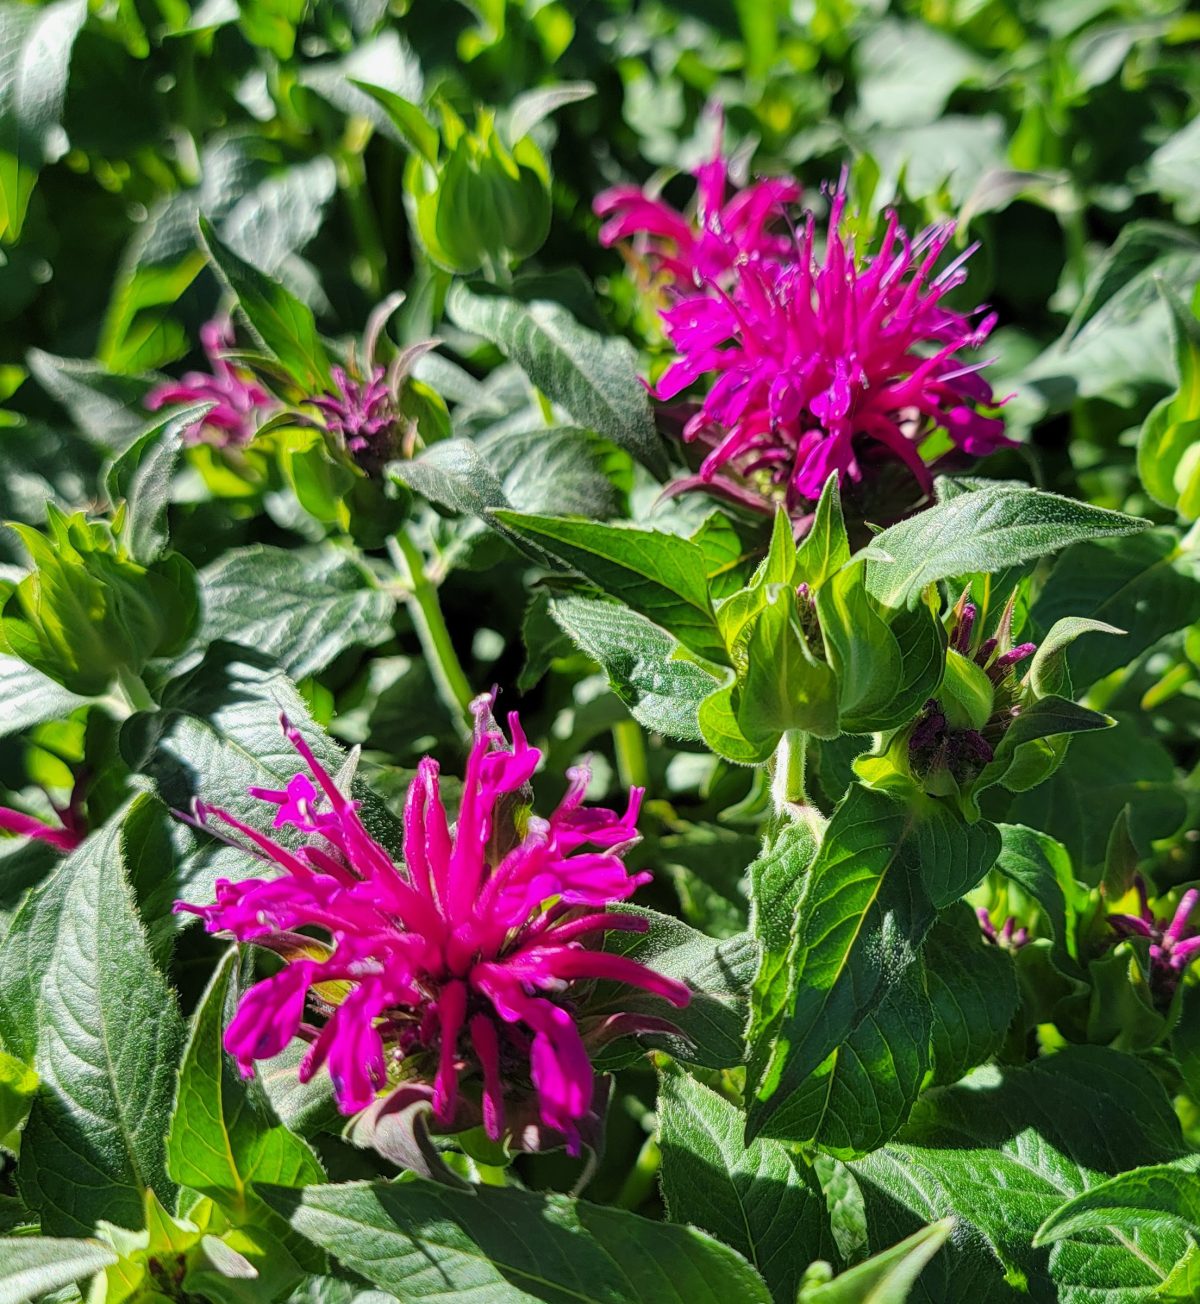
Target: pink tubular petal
{"points": [[1183, 914], [451, 1011], [269, 1015], [487, 1052], [26, 826], [620, 969]]}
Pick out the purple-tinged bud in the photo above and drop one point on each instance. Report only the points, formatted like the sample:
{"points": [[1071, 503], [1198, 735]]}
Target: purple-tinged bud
{"points": [[1171, 950], [961, 640], [1009, 937]]}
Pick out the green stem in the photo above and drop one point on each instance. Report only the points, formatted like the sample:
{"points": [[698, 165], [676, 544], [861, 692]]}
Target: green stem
{"points": [[633, 767], [133, 692], [787, 786], [639, 1184], [370, 265], [448, 675]]}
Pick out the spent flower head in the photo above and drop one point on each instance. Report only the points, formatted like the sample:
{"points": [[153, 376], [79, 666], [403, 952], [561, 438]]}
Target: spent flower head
{"points": [[241, 404], [466, 963]]}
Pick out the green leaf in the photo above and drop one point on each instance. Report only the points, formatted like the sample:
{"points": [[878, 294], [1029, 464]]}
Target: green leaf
{"points": [[1041, 867], [1185, 1039], [1048, 672], [18, 1085], [592, 378], [561, 469], [886, 1277], [1002, 1151], [507, 1246], [862, 1093], [1158, 1196], [305, 605], [1048, 717], [140, 478], [883, 871], [411, 124], [825, 549], [1119, 339], [454, 474], [985, 530], [532, 107], [1105, 771], [281, 322], [28, 697], [776, 881], [108, 1039], [1148, 585], [661, 576], [1171, 171], [33, 1267], [661, 691], [759, 1198], [221, 1140], [1167, 448], [719, 974], [218, 734], [35, 58], [973, 991], [106, 407]]}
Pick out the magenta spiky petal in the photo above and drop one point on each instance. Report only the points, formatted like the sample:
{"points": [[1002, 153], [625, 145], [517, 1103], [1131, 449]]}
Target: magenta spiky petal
{"points": [[458, 963], [810, 354]]}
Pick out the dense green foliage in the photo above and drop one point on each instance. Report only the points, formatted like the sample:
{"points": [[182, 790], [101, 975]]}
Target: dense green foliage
{"points": [[869, 1097]]}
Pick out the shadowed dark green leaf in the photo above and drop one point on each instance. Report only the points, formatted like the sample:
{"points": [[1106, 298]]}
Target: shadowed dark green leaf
{"points": [[1002, 1151], [108, 1039], [883, 871], [758, 1198], [422, 1240], [973, 991]]}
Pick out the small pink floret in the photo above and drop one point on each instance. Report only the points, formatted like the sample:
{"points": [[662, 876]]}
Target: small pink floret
{"points": [[241, 404]]}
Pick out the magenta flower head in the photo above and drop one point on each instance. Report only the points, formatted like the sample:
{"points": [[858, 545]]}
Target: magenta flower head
{"points": [[1172, 945], [241, 403], [361, 413], [725, 232], [460, 970], [819, 359]]}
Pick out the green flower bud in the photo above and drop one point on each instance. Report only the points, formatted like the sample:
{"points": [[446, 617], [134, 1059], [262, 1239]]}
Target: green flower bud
{"points": [[87, 612], [966, 693], [482, 205]]}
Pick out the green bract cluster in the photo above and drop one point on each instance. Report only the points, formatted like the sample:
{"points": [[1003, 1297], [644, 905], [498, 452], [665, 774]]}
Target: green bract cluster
{"points": [[792, 412]]}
